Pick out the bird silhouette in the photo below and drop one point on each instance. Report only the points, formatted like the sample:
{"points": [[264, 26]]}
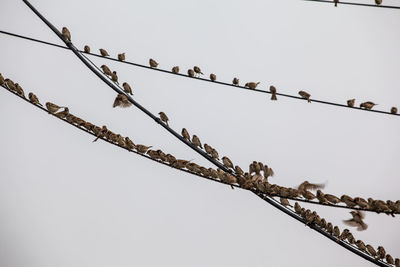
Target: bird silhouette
{"points": [[86, 49], [272, 89]]}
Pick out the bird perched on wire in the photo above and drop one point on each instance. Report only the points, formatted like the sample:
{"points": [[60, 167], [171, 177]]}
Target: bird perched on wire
{"points": [[214, 154], [252, 85], [213, 77], [19, 90], [10, 84], [378, 2], [121, 101], [106, 70], [197, 70], [190, 72], [62, 114], [114, 77], [389, 259], [309, 186], [103, 52], [175, 69], [66, 34], [2, 81], [381, 252], [332, 199], [86, 49], [285, 202], [142, 148], [351, 102], [305, 95], [357, 220], [397, 262], [34, 99], [227, 162], [336, 2], [121, 57], [127, 88], [185, 134], [393, 110], [371, 250], [52, 108], [235, 81], [163, 117], [272, 89], [153, 63], [368, 105], [196, 141]]}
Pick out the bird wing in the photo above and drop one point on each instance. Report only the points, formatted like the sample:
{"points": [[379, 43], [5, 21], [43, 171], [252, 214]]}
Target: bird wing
{"points": [[314, 186], [351, 222], [361, 214]]}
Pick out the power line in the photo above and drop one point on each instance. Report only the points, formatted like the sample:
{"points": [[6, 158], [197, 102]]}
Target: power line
{"points": [[199, 78], [354, 4]]}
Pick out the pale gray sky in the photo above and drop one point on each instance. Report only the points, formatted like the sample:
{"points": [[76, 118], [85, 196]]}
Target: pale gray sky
{"points": [[65, 201]]}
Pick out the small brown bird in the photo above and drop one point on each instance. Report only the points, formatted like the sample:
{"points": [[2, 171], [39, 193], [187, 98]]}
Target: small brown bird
{"points": [[175, 69], [238, 170], [362, 203], [361, 246], [121, 57], [272, 89], [185, 134], [378, 2], [103, 52], [381, 252], [208, 149], [344, 234], [190, 72], [351, 102], [227, 162], [235, 81], [389, 259], [305, 95], [371, 250], [106, 70], [308, 195], [368, 105], [214, 154], [331, 198], [19, 90], [121, 101], [129, 144], [336, 231], [336, 2], [127, 88], [393, 110], [10, 85], [357, 220], [213, 77], [66, 34], [285, 202], [142, 148], [153, 63], [321, 197], [348, 201], [329, 228], [196, 141], [297, 208], [252, 85], [163, 117], [397, 262], [114, 77], [62, 114], [309, 186], [34, 99], [2, 81], [197, 70], [86, 49], [52, 108]]}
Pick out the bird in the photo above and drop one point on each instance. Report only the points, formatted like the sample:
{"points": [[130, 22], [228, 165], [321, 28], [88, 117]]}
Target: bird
{"points": [[34, 99], [331, 198], [308, 195], [175, 69], [397, 262], [213, 77], [163, 117], [185, 134], [127, 88], [297, 208], [10, 84], [197, 70], [368, 105], [381, 252], [129, 144], [66, 34], [114, 77], [62, 114], [393, 110], [238, 170], [52, 108], [86, 49], [305, 95], [142, 148], [336, 2], [227, 162], [19, 90], [190, 72], [361, 246], [272, 89], [106, 70], [378, 2], [196, 141], [252, 85], [103, 52], [348, 201], [285, 202], [121, 101], [2, 81], [389, 259], [153, 63], [336, 231], [371, 250], [309, 186], [208, 148], [344, 234], [235, 81], [214, 154], [351, 102], [121, 57], [321, 197]]}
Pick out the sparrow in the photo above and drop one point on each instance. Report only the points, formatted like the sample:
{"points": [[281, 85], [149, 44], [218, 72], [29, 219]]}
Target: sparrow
{"points": [[180, 163], [185, 134], [344, 234], [348, 201], [336, 2], [62, 114], [142, 148], [329, 228], [252, 85], [351, 102], [378, 2], [268, 172], [89, 126], [397, 262], [106, 70], [389, 259], [34, 99], [52, 108], [235, 81], [2, 82], [322, 223], [371, 250], [321, 197], [272, 89], [214, 154], [213, 77], [121, 101], [197, 70], [297, 208], [10, 84], [238, 170], [381, 252], [208, 149], [190, 72], [114, 77], [361, 246], [308, 195], [305, 95], [153, 63], [285, 202], [103, 52], [66, 34], [171, 159], [368, 105], [309, 186], [196, 141], [332, 199], [121, 141], [350, 238], [86, 49], [213, 173], [163, 117], [101, 133], [121, 57], [393, 110], [362, 203], [127, 88], [175, 69], [204, 171], [336, 231], [19, 90], [227, 162]]}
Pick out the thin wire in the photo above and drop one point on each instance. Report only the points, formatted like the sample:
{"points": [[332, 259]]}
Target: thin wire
{"points": [[354, 4], [199, 78]]}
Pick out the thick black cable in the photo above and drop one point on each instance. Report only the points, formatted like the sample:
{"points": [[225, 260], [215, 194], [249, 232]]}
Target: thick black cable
{"points": [[354, 4], [198, 78]]}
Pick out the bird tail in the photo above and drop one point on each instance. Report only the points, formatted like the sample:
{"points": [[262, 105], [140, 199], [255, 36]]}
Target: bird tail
{"points": [[308, 100], [273, 97]]}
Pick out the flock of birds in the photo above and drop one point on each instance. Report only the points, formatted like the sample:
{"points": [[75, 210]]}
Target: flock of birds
{"points": [[377, 2]]}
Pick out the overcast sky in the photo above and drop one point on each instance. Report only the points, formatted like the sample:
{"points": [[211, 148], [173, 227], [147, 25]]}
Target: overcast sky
{"points": [[65, 201]]}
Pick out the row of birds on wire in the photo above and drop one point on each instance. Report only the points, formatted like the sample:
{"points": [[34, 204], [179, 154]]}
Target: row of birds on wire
{"points": [[196, 72], [255, 167]]}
